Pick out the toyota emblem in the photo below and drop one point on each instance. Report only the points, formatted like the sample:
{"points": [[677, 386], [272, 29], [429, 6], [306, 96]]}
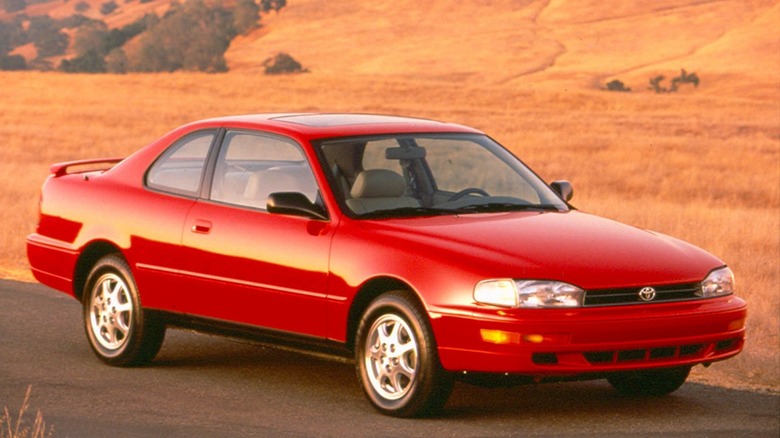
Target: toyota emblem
{"points": [[647, 294]]}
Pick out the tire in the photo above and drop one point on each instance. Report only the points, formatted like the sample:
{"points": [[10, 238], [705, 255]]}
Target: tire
{"points": [[396, 359], [118, 330], [652, 383]]}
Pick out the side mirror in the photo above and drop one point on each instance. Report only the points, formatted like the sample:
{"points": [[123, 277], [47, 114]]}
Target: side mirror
{"points": [[563, 189], [295, 204]]}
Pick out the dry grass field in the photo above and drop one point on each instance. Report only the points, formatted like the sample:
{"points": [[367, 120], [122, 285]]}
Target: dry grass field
{"points": [[702, 164]]}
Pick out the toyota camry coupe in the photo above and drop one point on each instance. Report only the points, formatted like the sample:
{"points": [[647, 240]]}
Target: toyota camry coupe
{"points": [[425, 251]]}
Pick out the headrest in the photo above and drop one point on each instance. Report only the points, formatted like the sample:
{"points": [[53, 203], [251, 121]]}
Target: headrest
{"points": [[378, 183]]}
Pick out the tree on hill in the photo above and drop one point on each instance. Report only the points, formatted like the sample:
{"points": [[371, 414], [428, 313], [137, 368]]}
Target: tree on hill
{"points": [[272, 5], [12, 62], [12, 6], [191, 36], [108, 7], [93, 42], [246, 15], [12, 35], [81, 7], [89, 62], [91, 36], [46, 35]]}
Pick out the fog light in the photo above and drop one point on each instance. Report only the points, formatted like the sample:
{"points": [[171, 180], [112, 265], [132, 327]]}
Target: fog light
{"points": [[499, 337]]}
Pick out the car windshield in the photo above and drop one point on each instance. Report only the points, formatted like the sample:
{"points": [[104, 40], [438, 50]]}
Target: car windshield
{"points": [[431, 174]]}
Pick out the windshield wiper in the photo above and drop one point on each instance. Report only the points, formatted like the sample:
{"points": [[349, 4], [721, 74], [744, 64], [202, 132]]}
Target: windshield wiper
{"points": [[501, 207], [404, 212]]}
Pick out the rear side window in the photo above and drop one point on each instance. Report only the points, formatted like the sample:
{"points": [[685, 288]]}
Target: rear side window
{"points": [[180, 169]]}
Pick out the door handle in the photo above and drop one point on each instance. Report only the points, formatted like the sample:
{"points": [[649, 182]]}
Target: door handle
{"points": [[201, 227]]}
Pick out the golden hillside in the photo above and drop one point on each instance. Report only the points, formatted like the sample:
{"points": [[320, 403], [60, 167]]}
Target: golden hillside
{"points": [[528, 44], [564, 44]]}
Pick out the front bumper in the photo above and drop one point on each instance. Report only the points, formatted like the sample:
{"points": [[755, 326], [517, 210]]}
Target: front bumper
{"points": [[558, 342]]}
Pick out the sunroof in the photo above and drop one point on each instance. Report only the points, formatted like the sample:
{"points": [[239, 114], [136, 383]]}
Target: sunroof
{"points": [[326, 120]]}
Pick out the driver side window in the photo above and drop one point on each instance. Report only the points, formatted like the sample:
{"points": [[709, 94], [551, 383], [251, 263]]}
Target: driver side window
{"points": [[251, 166]]}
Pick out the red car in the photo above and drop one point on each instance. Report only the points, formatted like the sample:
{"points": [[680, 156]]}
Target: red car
{"points": [[425, 250]]}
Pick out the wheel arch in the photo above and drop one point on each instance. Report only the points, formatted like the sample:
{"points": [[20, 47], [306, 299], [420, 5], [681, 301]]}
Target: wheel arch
{"points": [[369, 291], [93, 252]]}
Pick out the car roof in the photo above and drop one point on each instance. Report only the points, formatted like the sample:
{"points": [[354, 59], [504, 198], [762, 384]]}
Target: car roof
{"points": [[325, 125]]}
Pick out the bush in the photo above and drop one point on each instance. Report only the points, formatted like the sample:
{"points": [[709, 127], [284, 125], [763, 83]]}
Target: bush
{"points": [[282, 63], [616, 85], [684, 78]]}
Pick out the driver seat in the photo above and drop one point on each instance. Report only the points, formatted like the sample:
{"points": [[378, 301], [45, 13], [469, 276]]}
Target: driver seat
{"points": [[379, 189]]}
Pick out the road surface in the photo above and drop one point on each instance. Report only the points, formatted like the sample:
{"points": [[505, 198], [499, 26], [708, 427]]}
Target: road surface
{"points": [[208, 386]]}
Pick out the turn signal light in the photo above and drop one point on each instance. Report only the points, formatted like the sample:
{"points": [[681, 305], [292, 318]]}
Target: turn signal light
{"points": [[737, 324], [499, 336]]}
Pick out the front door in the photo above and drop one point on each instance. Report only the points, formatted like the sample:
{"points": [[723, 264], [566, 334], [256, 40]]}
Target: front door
{"points": [[246, 265]]}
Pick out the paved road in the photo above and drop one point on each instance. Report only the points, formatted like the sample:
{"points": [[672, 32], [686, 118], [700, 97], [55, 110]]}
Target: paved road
{"points": [[208, 386]]}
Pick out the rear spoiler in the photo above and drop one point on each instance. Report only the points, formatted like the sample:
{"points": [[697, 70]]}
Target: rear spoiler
{"points": [[61, 169]]}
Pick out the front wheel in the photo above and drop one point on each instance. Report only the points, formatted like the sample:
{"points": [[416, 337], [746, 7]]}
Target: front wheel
{"points": [[397, 361], [649, 382], [119, 331]]}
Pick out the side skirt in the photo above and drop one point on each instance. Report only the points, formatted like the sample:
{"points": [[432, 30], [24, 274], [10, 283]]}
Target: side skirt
{"points": [[267, 337]]}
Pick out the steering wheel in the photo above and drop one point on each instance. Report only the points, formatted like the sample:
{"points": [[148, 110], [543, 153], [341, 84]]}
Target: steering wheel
{"points": [[466, 192]]}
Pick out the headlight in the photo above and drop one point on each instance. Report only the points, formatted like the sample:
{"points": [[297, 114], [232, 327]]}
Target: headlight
{"points": [[549, 294], [718, 283], [528, 293]]}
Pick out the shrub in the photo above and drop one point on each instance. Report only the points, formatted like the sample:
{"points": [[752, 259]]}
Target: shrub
{"points": [[616, 85], [684, 78], [282, 63]]}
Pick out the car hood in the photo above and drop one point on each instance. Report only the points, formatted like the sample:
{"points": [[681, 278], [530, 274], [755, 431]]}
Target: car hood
{"points": [[582, 249]]}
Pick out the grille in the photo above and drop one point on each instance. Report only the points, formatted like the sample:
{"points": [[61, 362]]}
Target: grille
{"points": [[613, 297], [662, 353]]}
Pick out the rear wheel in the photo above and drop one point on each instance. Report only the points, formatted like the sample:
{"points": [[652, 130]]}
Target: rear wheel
{"points": [[119, 331], [396, 359], [649, 382]]}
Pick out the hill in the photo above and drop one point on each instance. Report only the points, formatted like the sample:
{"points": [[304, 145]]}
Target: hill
{"points": [[519, 43], [558, 44]]}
